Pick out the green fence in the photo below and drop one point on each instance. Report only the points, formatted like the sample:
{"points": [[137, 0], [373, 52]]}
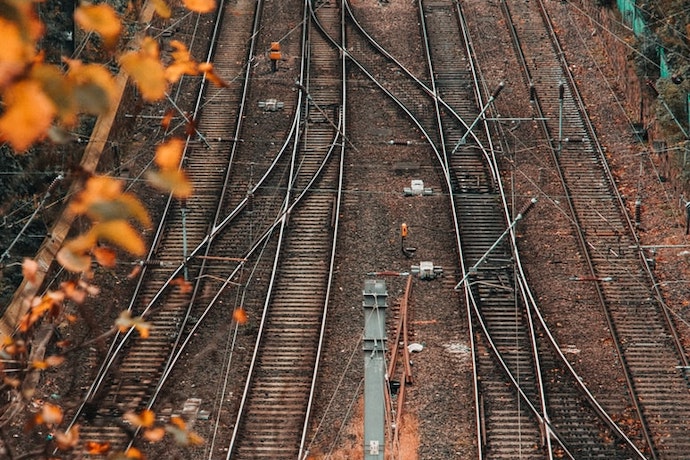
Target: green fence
{"points": [[633, 18]]}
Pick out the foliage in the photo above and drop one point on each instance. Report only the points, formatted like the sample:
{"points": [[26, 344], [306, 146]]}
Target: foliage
{"points": [[40, 101]]}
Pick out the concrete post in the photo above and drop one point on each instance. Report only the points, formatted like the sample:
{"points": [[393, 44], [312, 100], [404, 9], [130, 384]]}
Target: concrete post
{"points": [[375, 303]]}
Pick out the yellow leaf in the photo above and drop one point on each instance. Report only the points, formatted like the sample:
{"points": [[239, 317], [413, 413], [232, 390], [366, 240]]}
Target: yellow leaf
{"points": [[182, 64], [103, 199], [174, 181], [97, 188], [211, 75], [168, 155], [17, 49], [59, 89], [94, 86], [119, 232], [28, 114], [146, 69], [73, 260], [144, 419], [200, 6], [101, 19], [162, 8], [124, 321]]}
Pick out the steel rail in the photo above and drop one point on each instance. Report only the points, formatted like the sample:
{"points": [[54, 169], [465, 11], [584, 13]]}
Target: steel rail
{"points": [[297, 176]]}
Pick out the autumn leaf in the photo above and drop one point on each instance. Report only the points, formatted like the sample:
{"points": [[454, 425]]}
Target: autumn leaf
{"points": [[100, 18], [58, 88], [93, 86], [121, 233], [161, 8], [50, 361], [69, 439], [17, 48], [154, 434], [174, 181], [182, 435], [29, 269], [146, 69], [28, 114], [104, 256], [184, 285], [49, 415], [182, 64], [200, 6], [103, 199], [97, 448], [168, 155], [239, 315], [144, 419], [208, 69], [73, 292], [125, 321], [73, 255], [167, 118]]}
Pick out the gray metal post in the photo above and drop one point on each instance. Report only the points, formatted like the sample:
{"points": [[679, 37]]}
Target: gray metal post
{"points": [[561, 93], [463, 139], [375, 303]]}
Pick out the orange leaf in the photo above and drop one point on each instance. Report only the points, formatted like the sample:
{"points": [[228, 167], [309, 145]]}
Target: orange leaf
{"points": [[135, 453], [168, 155], [96, 189], [28, 114], [69, 439], [97, 448], [104, 256], [142, 327], [119, 232], [73, 258], [240, 315], [211, 75], [50, 415], [124, 321], [145, 418], [185, 286], [200, 6], [174, 181], [17, 49], [101, 19], [146, 69], [167, 118], [162, 8], [94, 86], [182, 64], [29, 269], [154, 434], [73, 292], [58, 88]]}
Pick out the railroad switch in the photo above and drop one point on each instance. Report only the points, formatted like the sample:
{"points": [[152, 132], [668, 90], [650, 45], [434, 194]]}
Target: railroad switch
{"points": [[426, 270], [271, 105], [417, 188]]}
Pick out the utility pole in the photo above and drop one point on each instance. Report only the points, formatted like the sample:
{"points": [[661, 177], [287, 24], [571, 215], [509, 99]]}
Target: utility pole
{"points": [[375, 303]]}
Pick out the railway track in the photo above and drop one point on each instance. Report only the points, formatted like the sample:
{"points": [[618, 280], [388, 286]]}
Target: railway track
{"points": [[135, 369], [644, 334], [528, 399], [274, 411]]}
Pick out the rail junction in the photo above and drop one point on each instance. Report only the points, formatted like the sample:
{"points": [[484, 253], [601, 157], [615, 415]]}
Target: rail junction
{"points": [[283, 196]]}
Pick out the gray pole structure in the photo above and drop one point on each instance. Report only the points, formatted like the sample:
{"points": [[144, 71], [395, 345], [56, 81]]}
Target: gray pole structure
{"points": [[375, 303]]}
